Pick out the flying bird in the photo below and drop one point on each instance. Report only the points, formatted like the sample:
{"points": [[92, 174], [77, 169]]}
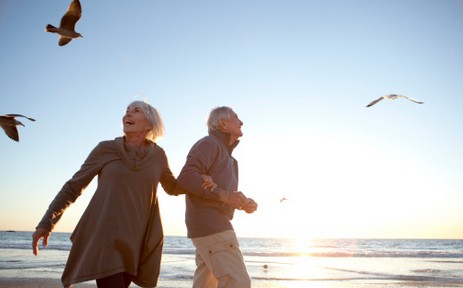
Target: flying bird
{"points": [[9, 123], [393, 97], [68, 22], [283, 199]]}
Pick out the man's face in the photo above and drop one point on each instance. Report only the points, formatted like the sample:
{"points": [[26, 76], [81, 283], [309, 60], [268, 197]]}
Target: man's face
{"points": [[233, 125]]}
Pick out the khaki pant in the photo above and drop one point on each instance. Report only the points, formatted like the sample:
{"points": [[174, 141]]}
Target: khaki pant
{"points": [[219, 262]]}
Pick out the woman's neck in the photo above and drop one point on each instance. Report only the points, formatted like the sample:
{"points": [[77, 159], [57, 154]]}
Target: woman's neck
{"points": [[135, 140]]}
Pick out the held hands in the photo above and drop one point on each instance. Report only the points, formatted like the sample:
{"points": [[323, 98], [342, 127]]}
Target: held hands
{"points": [[39, 233]]}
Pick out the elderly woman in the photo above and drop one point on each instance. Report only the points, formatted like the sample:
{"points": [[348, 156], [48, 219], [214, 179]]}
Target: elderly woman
{"points": [[119, 238]]}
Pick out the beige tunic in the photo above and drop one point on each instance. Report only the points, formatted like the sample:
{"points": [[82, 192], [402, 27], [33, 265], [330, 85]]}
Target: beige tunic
{"points": [[121, 229]]}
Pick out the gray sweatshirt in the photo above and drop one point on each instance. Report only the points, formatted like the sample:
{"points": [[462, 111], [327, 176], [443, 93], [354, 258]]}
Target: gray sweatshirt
{"points": [[206, 213]]}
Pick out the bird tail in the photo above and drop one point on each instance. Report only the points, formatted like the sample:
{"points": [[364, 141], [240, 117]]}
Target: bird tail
{"points": [[51, 28]]}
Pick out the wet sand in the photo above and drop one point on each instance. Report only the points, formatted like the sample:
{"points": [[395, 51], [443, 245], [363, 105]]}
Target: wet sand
{"points": [[56, 283]]}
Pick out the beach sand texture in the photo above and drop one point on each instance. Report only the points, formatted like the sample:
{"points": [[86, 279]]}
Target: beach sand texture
{"points": [[55, 283]]}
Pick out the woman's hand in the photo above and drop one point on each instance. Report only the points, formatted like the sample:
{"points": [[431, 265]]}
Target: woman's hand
{"points": [[208, 183], [39, 233]]}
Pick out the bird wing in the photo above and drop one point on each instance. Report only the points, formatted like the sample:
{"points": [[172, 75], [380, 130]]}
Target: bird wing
{"points": [[11, 131], [70, 18], [64, 40], [411, 99], [376, 101], [18, 115]]}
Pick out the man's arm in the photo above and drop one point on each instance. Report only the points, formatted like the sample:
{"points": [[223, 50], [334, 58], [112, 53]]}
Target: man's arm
{"points": [[199, 161]]}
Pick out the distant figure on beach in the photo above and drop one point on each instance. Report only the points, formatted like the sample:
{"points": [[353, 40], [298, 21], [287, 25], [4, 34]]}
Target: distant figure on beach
{"points": [[219, 262], [67, 25], [119, 238], [9, 123]]}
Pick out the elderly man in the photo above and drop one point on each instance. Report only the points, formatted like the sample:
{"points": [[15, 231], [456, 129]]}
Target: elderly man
{"points": [[219, 262]]}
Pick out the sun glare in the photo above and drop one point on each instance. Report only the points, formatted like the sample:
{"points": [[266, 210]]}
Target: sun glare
{"points": [[336, 189]]}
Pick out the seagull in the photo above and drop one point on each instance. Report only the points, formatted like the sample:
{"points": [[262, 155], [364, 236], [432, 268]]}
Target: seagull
{"points": [[9, 123], [68, 22], [393, 97], [283, 199]]}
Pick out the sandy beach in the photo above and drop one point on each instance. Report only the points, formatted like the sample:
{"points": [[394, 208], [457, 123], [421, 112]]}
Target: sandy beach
{"points": [[55, 283]]}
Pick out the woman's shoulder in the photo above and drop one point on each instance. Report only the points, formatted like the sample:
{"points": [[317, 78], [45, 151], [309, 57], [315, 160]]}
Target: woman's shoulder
{"points": [[106, 148], [109, 143], [157, 148], [106, 145]]}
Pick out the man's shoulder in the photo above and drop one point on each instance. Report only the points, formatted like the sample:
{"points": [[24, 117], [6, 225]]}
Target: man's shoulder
{"points": [[208, 141]]}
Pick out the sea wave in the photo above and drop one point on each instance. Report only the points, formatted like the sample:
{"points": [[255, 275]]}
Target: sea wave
{"points": [[358, 254], [269, 247]]}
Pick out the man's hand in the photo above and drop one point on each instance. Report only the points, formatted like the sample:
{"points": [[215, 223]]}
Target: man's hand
{"points": [[250, 206], [239, 201], [39, 233], [236, 199]]}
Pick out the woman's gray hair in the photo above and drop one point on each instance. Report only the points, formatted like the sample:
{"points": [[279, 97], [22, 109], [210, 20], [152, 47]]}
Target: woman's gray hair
{"points": [[153, 117], [217, 114]]}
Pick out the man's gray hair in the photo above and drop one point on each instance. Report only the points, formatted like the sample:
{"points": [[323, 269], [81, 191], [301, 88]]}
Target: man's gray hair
{"points": [[153, 117], [217, 114]]}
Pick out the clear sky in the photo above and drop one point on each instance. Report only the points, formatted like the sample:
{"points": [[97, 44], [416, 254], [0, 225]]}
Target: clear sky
{"points": [[298, 73]]}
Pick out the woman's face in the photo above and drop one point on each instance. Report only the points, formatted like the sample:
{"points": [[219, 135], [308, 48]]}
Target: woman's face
{"points": [[135, 121]]}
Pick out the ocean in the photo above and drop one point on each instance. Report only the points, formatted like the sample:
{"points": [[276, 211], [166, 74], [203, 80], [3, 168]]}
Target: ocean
{"points": [[275, 263]]}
